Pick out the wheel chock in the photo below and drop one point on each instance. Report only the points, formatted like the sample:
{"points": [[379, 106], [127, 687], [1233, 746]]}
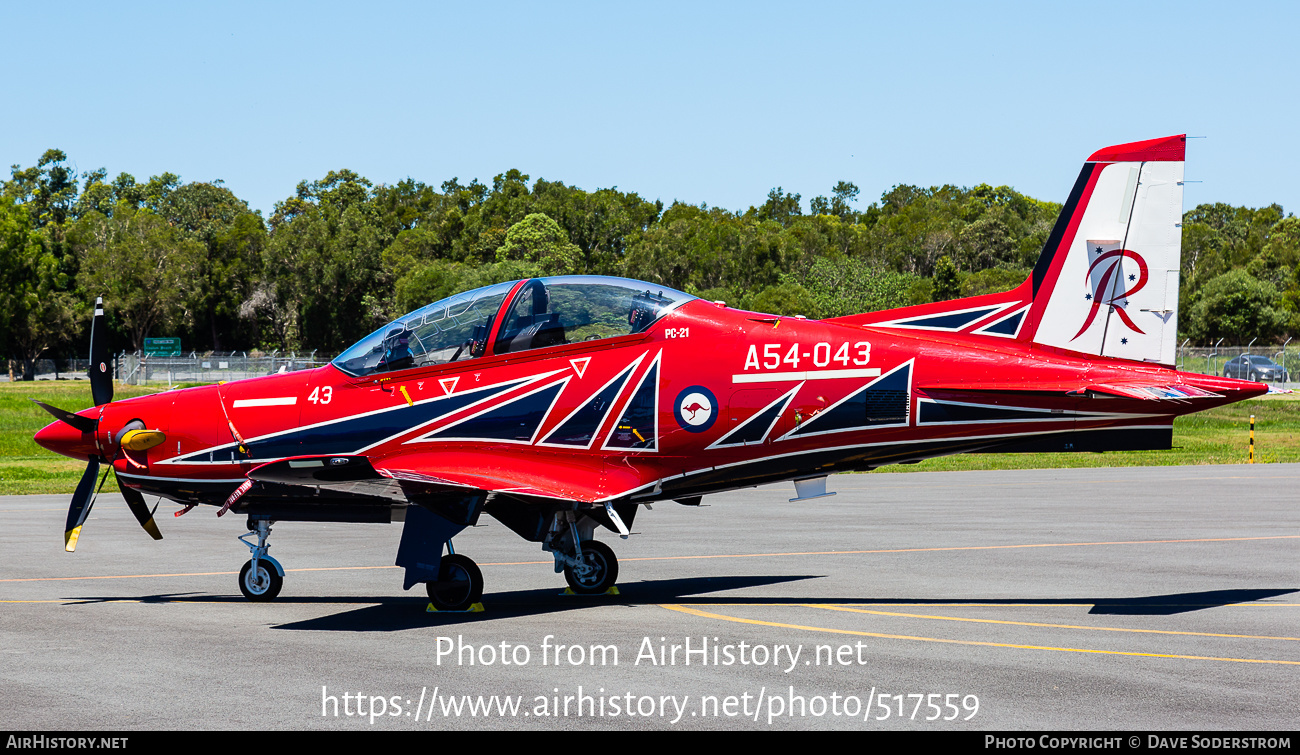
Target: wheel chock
{"points": [[476, 608], [568, 591]]}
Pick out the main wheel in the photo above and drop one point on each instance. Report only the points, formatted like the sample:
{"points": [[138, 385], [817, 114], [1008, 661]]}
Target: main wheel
{"points": [[260, 586], [459, 585], [599, 573]]}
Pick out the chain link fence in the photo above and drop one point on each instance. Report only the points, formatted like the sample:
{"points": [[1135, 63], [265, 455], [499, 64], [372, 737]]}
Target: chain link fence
{"points": [[139, 369], [1226, 361]]}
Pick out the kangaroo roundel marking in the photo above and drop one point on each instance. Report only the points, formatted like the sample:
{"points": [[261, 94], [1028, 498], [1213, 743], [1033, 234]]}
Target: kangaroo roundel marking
{"points": [[696, 409]]}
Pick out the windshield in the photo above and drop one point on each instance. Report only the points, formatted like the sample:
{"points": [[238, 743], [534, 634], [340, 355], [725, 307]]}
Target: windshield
{"points": [[573, 308], [453, 329], [545, 312]]}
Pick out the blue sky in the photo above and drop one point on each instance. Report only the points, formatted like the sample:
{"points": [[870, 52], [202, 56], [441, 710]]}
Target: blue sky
{"points": [[702, 102]]}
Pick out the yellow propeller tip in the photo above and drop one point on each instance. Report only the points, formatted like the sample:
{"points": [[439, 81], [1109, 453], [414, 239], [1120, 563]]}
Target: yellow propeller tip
{"points": [[70, 539]]}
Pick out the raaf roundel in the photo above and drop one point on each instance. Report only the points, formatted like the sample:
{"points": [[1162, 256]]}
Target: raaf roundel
{"points": [[560, 406]]}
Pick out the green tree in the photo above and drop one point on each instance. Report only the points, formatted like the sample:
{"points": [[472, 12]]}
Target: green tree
{"points": [[787, 299], [851, 286], [323, 272], [947, 285], [1236, 306], [780, 207], [36, 310], [539, 240], [144, 267]]}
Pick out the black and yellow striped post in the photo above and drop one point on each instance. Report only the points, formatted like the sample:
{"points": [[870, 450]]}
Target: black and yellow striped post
{"points": [[1252, 439]]}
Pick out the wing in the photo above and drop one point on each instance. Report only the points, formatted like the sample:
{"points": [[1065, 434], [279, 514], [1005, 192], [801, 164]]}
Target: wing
{"points": [[421, 476]]}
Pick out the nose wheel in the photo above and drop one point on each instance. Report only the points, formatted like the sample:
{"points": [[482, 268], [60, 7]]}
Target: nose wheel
{"points": [[459, 585], [260, 583], [596, 571], [262, 577]]}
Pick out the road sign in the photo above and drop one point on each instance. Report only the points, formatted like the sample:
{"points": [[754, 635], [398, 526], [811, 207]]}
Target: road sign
{"points": [[162, 347]]}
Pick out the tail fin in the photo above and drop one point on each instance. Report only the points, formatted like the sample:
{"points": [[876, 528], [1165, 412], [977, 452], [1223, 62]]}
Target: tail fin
{"points": [[1107, 280]]}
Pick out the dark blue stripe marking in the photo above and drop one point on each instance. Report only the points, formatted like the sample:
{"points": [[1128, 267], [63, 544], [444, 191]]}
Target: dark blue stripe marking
{"points": [[939, 412], [1053, 245], [755, 428], [884, 402], [348, 435], [579, 429], [639, 416], [1007, 326], [513, 420], [949, 321]]}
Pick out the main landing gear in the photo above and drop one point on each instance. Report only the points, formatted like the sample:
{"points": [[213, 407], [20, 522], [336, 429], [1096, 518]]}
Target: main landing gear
{"points": [[459, 585], [262, 577], [589, 566]]}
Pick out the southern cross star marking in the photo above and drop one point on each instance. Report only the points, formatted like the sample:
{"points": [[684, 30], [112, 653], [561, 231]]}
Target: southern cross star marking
{"points": [[1132, 277], [1098, 250], [1088, 297], [1124, 341]]}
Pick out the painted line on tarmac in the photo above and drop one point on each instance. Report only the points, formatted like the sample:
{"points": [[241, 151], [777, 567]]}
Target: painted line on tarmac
{"points": [[828, 630], [712, 556], [961, 548], [829, 607], [1040, 483]]}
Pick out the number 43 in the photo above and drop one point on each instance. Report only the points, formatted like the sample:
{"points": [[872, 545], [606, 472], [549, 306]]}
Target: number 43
{"points": [[321, 395]]}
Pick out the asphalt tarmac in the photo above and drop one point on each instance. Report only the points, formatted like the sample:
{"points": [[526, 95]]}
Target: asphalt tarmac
{"points": [[1090, 599]]}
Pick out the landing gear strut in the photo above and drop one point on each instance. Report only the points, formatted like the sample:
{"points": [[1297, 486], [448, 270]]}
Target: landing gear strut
{"points": [[262, 577], [589, 566]]}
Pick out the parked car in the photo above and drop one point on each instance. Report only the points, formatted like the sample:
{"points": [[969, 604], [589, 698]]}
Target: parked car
{"points": [[1259, 369]]}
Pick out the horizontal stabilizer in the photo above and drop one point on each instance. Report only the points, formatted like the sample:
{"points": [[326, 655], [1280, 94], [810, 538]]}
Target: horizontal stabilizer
{"points": [[1188, 387], [1160, 390]]}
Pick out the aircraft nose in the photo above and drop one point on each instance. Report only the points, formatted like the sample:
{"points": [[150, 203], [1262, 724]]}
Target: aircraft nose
{"points": [[62, 438]]}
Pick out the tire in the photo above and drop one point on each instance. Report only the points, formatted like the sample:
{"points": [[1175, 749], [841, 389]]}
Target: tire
{"points": [[602, 574], [459, 585], [262, 587], [1254, 377]]}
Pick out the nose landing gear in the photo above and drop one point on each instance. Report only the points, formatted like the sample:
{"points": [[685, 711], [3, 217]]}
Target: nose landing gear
{"points": [[262, 577]]}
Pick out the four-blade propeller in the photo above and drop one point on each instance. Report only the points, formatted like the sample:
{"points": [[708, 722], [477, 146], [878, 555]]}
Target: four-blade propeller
{"points": [[133, 437]]}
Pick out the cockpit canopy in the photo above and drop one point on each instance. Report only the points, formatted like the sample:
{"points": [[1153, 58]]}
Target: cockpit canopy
{"points": [[541, 312]]}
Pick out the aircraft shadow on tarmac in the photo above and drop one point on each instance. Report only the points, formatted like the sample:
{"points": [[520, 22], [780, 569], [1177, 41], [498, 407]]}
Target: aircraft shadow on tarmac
{"points": [[396, 613], [1165, 605]]}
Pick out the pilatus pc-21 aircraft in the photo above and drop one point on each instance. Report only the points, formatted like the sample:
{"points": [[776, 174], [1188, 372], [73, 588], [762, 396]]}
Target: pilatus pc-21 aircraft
{"points": [[560, 406]]}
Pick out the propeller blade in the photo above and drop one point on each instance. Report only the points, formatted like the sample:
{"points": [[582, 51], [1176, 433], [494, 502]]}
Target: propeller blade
{"points": [[101, 380], [141, 510], [78, 422], [82, 500]]}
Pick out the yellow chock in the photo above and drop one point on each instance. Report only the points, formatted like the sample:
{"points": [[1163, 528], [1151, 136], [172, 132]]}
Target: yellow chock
{"points": [[476, 608], [613, 590]]}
